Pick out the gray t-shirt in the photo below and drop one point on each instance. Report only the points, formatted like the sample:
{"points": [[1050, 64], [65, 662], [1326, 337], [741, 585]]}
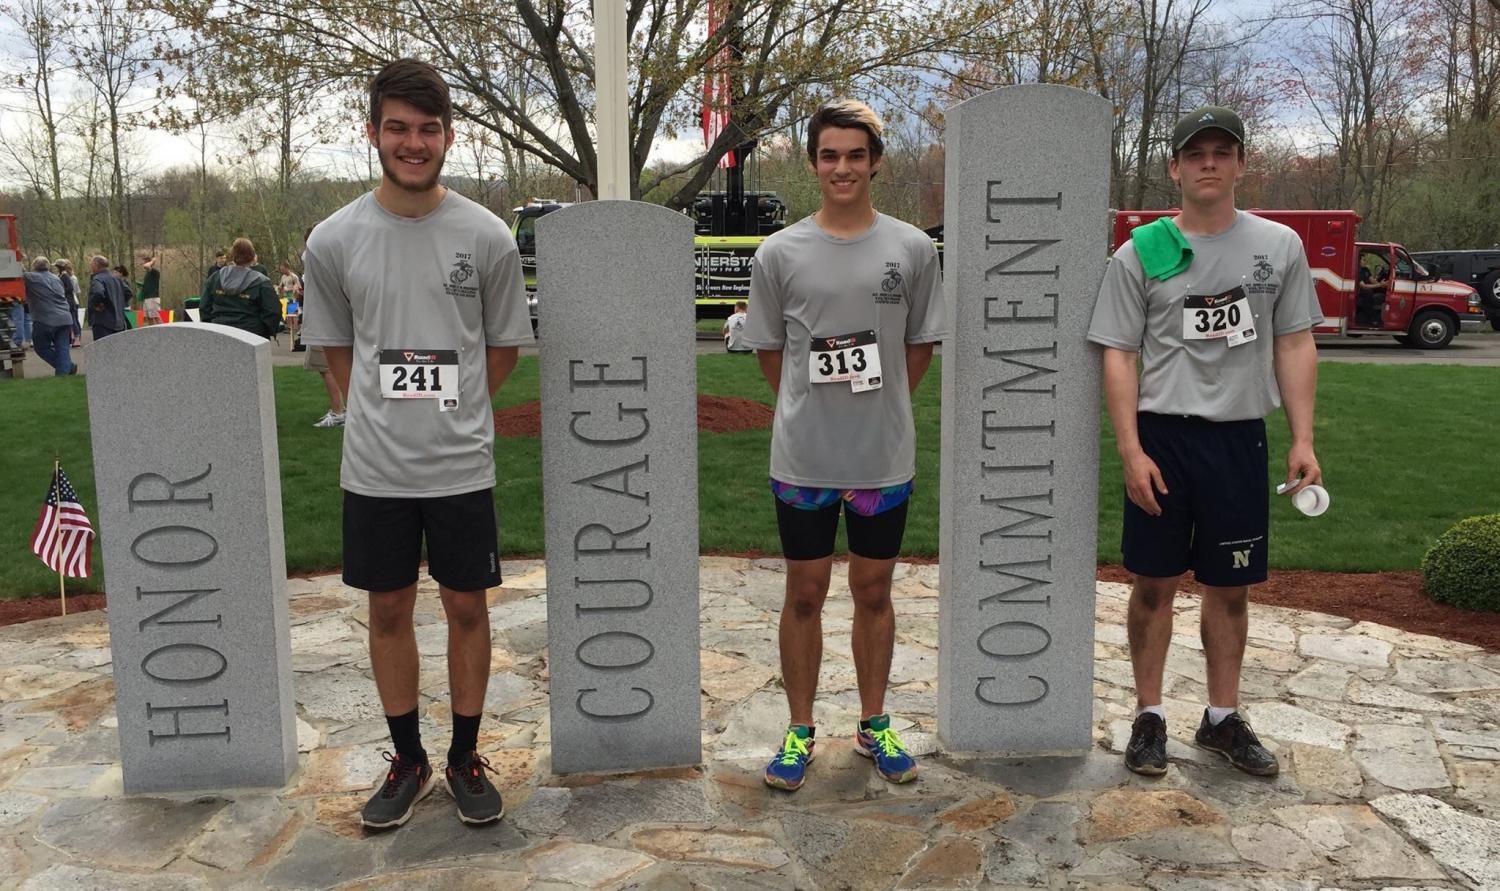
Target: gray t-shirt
{"points": [[806, 283], [449, 281], [1255, 259]]}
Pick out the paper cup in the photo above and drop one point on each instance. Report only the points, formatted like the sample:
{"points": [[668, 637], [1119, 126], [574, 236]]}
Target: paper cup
{"points": [[1312, 501]]}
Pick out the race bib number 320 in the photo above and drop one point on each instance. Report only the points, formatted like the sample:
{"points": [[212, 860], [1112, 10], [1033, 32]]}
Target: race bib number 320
{"points": [[418, 374], [847, 357], [1224, 316]]}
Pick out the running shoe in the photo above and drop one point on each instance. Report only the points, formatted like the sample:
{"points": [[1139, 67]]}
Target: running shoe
{"points": [[477, 798], [1146, 753], [1233, 738], [406, 783], [789, 768], [881, 744]]}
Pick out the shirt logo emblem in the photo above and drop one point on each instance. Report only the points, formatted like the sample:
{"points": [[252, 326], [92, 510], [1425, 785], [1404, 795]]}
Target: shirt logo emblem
{"points": [[1264, 270], [892, 280], [462, 271]]}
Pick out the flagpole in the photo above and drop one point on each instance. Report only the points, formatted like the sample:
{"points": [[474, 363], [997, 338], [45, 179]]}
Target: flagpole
{"points": [[62, 590]]}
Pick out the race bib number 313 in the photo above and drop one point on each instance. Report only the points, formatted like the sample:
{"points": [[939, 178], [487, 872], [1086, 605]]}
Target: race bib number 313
{"points": [[418, 374], [847, 357]]}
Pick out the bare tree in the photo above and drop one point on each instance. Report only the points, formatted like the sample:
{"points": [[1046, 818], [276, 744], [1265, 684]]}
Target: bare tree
{"points": [[110, 50], [524, 71], [1365, 88]]}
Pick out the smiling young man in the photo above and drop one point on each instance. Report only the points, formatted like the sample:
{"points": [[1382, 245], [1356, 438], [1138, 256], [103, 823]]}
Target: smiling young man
{"points": [[845, 307], [1219, 308], [417, 299]]}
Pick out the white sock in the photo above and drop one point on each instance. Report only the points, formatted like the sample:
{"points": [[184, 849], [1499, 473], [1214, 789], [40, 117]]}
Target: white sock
{"points": [[1217, 714], [1156, 710]]}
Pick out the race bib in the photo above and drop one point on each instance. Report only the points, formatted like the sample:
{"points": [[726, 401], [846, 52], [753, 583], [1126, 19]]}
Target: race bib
{"points": [[1225, 316], [420, 374], [848, 357]]}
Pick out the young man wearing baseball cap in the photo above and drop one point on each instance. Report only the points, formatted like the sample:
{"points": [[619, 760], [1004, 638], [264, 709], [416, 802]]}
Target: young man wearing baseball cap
{"points": [[1218, 306]]}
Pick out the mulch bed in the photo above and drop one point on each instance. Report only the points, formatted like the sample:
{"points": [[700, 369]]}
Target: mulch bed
{"points": [[1386, 598], [716, 414]]}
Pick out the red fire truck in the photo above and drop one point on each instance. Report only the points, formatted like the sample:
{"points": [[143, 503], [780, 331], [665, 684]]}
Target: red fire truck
{"points": [[1417, 307]]}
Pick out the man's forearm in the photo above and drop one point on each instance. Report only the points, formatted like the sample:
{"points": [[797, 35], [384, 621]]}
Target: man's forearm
{"points": [[499, 362], [770, 367], [1122, 397], [1296, 361], [340, 363], [918, 360]]}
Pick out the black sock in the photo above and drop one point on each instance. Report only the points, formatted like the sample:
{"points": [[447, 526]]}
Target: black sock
{"points": [[406, 735], [465, 738]]}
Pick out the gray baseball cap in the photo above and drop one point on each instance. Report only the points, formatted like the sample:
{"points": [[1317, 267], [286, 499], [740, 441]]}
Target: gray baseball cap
{"points": [[1208, 117]]}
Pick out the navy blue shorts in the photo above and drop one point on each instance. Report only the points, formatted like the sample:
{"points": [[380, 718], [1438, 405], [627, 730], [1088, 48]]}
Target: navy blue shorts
{"points": [[1216, 514], [383, 540]]}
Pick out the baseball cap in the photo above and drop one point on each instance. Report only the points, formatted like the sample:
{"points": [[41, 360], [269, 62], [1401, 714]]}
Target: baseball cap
{"points": [[1208, 117]]}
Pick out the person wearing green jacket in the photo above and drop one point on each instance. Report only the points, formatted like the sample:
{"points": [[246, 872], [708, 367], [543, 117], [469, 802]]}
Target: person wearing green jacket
{"points": [[240, 297]]}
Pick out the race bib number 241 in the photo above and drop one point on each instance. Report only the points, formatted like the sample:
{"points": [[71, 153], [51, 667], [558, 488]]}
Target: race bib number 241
{"points": [[418, 374]]}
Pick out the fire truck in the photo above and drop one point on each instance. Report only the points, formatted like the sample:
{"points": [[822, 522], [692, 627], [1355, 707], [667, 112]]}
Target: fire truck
{"points": [[12, 292], [1419, 308], [727, 230]]}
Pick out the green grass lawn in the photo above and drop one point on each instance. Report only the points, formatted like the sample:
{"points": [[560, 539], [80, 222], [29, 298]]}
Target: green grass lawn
{"points": [[1404, 452]]}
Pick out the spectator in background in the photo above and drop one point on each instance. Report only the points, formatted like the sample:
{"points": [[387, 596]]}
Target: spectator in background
{"points": [[54, 317], [734, 330], [69, 280], [221, 259], [109, 298], [241, 297], [290, 283], [151, 281]]}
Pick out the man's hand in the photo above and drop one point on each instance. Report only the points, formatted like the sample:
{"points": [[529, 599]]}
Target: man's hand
{"points": [[1142, 482], [1301, 462]]}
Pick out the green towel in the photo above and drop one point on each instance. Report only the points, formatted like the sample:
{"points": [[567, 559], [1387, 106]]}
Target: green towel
{"points": [[1163, 250]]}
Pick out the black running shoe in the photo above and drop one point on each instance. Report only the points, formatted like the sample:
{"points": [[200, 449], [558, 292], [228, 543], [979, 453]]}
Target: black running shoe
{"points": [[1233, 738], [477, 798], [406, 783], [1146, 753]]}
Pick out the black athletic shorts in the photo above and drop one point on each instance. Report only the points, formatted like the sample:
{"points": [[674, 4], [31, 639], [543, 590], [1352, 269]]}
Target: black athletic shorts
{"points": [[809, 534], [383, 541], [1216, 514]]}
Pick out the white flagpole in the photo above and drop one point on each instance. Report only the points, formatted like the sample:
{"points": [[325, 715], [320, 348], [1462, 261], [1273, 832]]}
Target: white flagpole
{"points": [[62, 590], [610, 116]]}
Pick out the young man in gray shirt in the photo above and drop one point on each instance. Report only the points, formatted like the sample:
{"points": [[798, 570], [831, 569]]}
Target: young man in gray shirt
{"points": [[417, 299], [845, 308], [1219, 307]]}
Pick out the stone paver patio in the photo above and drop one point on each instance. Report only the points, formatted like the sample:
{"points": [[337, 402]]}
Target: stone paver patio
{"points": [[1390, 745]]}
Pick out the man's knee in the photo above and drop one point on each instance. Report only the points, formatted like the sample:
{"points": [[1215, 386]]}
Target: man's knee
{"points": [[805, 596], [1233, 602], [871, 595], [467, 611], [1153, 594], [390, 613]]}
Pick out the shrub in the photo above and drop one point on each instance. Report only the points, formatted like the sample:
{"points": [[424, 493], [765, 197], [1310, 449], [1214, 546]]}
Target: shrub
{"points": [[1463, 568]]}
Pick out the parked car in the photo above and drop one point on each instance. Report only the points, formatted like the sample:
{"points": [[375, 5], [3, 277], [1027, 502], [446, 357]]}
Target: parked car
{"points": [[1479, 269]]}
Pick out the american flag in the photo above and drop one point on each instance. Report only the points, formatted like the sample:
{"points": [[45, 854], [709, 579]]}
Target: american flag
{"points": [[63, 532]]}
